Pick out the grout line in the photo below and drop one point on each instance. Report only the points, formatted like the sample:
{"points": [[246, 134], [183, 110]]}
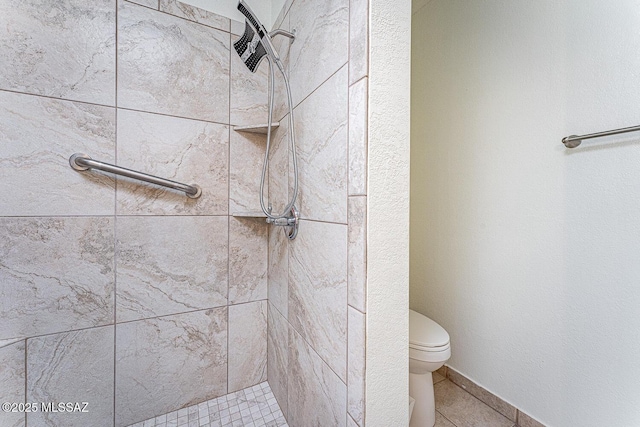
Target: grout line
{"points": [[346, 395], [157, 113], [127, 321], [18, 92], [317, 354], [323, 221], [287, 11], [231, 49], [480, 396], [322, 84], [442, 415], [483, 403], [170, 315], [115, 285], [164, 12], [287, 376], [358, 81], [229, 211], [53, 98], [115, 228], [348, 179], [220, 215], [248, 302], [66, 331], [348, 145], [142, 5], [288, 245], [26, 374], [262, 385], [112, 215]]}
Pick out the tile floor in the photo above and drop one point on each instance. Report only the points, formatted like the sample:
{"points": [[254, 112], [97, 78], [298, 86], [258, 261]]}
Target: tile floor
{"points": [[252, 407], [257, 407], [457, 408]]}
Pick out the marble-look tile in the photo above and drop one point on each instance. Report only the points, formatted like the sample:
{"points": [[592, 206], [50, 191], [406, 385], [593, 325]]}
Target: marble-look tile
{"points": [[283, 46], [72, 367], [247, 344], [245, 169], [56, 274], [153, 281], [318, 290], [350, 422], [281, 15], [322, 43], [63, 49], [356, 365], [248, 253], [321, 138], [153, 4], [358, 39], [168, 363], [465, 410], [441, 421], [237, 27], [358, 252], [195, 14], [37, 137], [171, 65], [525, 420], [278, 356], [278, 277], [482, 394], [12, 377], [249, 91], [250, 407], [317, 397], [281, 178], [188, 151], [358, 121]]}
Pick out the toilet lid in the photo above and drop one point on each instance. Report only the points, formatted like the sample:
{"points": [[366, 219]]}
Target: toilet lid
{"points": [[424, 332]]}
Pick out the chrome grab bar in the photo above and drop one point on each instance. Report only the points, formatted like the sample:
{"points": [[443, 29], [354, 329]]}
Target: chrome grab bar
{"points": [[82, 162], [573, 141]]}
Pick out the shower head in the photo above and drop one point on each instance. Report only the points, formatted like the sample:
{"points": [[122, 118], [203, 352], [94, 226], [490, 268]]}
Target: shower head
{"points": [[255, 43]]}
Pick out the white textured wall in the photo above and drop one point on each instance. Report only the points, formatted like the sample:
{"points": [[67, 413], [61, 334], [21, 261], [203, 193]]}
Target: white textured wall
{"points": [[387, 384], [267, 10], [527, 253]]}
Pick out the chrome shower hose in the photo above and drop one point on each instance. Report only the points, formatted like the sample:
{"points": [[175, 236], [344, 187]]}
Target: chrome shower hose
{"points": [[287, 212]]}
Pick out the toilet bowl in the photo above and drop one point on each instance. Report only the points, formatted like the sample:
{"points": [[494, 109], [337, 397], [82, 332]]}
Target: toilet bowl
{"points": [[429, 349]]}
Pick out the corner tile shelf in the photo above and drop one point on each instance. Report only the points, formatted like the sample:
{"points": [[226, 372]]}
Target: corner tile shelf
{"points": [[261, 129], [249, 214]]}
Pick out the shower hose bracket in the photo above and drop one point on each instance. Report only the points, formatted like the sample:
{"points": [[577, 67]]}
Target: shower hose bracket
{"points": [[292, 223]]}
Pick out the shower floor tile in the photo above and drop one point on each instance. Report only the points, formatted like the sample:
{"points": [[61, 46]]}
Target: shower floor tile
{"points": [[252, 407]]}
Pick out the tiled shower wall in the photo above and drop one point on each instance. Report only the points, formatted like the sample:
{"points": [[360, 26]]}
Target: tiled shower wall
{"points": [[317, 283], [133, 298]]}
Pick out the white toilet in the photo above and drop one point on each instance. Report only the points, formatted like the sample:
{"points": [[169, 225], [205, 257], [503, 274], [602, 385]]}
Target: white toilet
{"points": [[429, 349]]}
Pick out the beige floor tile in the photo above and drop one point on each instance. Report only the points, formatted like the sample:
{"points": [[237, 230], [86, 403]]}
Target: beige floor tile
{"points": [[464, 410], [443, 371], [487, 397], [437, 377], [441, 421], [525, 420]]}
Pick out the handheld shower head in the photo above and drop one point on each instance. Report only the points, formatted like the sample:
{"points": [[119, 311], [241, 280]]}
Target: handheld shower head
{"points": [[252, 47], [255, 43]]}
